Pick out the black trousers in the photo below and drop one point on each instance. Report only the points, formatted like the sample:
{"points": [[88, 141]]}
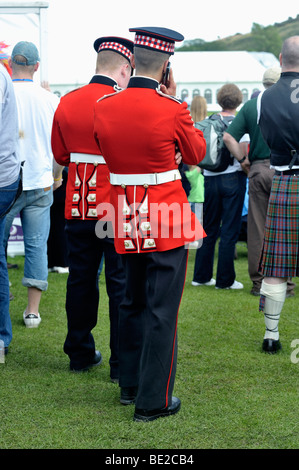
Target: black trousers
{"points": [[148, 324], [85, 251], [57, 246]]}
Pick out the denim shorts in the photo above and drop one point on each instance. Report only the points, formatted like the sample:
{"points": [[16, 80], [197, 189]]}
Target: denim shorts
{"points": [[34, 209]]}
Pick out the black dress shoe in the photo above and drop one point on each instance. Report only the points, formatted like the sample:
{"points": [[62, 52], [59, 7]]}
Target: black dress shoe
{"points": [[128, 395], [151, 415], [256, 292], [271, 346], [12, 266], [289, 294], [114, 375], [95, 362]]}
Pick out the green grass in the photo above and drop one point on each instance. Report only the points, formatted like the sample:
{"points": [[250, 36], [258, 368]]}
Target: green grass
{"points": [[233, 395]]}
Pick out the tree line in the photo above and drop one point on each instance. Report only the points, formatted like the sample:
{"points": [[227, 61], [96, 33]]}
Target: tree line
{"points": [[260, 39]]}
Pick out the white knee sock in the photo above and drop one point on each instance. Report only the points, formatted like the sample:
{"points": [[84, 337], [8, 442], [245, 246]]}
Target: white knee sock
{"points": [[275, 295]]}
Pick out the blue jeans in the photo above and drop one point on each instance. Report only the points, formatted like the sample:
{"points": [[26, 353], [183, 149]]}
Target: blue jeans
{"points": [[224, 198], [7, 195], [34, 209]]}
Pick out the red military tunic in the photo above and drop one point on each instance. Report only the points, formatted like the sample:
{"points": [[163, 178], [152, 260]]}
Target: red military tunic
{"points": [[137, 131], [72, 133]]}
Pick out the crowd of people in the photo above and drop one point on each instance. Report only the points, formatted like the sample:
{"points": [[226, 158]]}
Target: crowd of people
{"points": [[109, 170]]}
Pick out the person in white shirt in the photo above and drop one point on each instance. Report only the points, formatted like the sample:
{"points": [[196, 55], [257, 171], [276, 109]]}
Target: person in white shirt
{"points": [[36, 108]]}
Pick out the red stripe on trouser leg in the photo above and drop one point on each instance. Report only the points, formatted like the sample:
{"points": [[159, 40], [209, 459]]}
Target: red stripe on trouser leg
{"points": [[174, 339]]}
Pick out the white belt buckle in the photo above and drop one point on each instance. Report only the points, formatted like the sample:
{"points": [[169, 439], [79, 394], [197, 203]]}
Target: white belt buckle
{"points": [[87, 158], [144, 179]]}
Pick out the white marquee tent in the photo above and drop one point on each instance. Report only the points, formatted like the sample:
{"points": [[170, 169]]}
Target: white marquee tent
{"points": [[17, 18], [195, 72], [205, 72]]}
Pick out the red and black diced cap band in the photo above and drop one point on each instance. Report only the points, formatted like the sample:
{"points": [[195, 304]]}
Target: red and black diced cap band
{"points": [[112, 43], [160, 39]]}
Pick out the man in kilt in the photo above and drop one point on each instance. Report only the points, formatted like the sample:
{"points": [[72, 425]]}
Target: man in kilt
{"points": [[278, 117]]}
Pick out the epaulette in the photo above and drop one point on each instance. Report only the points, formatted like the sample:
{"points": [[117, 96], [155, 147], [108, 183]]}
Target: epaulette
{"points": [[73, 91], [116, 88], [174, 98]]}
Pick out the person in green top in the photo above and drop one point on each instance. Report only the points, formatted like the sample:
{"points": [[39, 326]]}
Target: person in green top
{"points": [[257, 166], [196, 181], [196, 194]]}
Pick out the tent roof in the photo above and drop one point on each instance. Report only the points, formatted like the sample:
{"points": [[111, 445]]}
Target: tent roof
{"points": [[221, 66]]}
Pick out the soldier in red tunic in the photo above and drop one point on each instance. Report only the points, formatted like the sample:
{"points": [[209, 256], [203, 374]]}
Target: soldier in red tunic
{"points": [[138, 131], [88, 185]]}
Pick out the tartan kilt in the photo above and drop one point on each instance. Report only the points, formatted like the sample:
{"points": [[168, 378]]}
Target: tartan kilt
{"points": [[279, 257]]}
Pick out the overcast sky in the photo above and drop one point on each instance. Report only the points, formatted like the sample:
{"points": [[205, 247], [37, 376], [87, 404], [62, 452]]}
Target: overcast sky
{"points": [[193, 18], [74, 25]]}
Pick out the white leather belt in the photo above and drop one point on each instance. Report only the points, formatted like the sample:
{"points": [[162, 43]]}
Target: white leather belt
{"points": [[144, 178], [87, 158]]}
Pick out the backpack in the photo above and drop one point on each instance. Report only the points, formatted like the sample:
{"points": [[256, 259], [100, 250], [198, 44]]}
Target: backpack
{"points": [[217, 157]]}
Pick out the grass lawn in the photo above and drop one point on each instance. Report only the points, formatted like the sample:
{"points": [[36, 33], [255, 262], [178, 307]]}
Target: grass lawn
{"points": [[233, 395]]}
